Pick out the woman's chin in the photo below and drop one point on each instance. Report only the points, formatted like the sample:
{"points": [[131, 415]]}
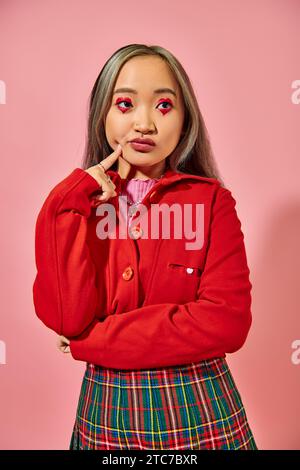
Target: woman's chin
{"points": [[140, 160]]}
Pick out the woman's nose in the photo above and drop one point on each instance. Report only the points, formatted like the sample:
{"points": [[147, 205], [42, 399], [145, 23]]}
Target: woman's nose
{"points": [[144, 122], [144, 129]]}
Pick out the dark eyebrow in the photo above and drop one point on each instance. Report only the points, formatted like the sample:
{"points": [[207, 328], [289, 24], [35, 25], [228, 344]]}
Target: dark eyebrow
{"points": [[158, 91]]}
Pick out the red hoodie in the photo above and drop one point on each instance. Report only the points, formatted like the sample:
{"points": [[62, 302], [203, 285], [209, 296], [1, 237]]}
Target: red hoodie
{"points": [[197, 304]]}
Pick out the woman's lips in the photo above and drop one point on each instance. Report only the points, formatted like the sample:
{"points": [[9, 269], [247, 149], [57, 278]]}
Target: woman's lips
{"points": [[142, 147]]}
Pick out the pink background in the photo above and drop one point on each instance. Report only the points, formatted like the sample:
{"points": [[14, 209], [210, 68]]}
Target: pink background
{"points": [[242, 58]]}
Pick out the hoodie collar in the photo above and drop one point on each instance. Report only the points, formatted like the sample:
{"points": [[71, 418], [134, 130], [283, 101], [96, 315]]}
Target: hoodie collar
{"points": [[170, 176]]}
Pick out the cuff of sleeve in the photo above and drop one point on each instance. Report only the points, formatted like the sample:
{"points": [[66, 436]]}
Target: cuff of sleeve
{"points": [[82, 347], [77, 185], [75, 350], [86, 183]]}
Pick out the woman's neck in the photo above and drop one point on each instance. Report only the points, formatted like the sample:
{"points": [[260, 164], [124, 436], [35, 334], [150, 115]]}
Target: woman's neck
{"points": [[128, 171]]}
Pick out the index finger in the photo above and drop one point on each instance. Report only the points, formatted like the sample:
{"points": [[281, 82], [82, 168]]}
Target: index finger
{"points": [[110, 160]]}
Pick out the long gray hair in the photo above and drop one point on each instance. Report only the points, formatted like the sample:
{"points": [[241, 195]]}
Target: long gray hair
{"points": [[193, 153]]}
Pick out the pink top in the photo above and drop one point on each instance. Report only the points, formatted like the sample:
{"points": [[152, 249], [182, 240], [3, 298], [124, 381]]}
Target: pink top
{"points": [[135, 190]]}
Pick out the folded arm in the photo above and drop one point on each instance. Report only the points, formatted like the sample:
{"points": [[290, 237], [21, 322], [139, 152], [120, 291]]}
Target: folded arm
{"points": [[64, 290], [169, 334]]}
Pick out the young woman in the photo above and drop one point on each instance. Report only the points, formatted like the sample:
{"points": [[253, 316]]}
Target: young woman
{"points": [[153, 308]]}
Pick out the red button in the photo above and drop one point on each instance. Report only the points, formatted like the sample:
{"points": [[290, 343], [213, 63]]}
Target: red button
{"points": [[128, 273]]}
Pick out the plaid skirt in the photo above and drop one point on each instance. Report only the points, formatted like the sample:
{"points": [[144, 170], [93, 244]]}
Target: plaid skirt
{"points": [[195, 406]]}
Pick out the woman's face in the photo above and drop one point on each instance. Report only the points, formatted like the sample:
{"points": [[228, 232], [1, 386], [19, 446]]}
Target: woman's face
{"points": [[145, 109]]}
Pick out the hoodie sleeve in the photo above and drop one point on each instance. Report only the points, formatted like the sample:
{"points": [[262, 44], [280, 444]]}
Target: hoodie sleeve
{"points": [[216, 323], [64, 292]]}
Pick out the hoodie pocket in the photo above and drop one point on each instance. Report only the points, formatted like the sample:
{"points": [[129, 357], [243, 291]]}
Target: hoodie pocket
{"points": [[183, 281], [189, 271]]}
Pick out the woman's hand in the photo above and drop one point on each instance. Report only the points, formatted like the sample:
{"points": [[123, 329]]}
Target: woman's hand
{"points": [[63, 344], [107, 186]]}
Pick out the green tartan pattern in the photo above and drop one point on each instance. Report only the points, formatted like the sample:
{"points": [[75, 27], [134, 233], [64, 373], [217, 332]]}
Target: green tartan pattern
{"points": [[195, 406]]}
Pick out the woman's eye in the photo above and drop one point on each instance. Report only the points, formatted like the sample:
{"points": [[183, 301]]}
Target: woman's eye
{"points": [[118, 103], [165, 102], [123, 105], [165, 110]]}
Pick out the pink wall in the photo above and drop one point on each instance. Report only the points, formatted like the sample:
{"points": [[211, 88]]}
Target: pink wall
{"points": [[242, 58]]}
